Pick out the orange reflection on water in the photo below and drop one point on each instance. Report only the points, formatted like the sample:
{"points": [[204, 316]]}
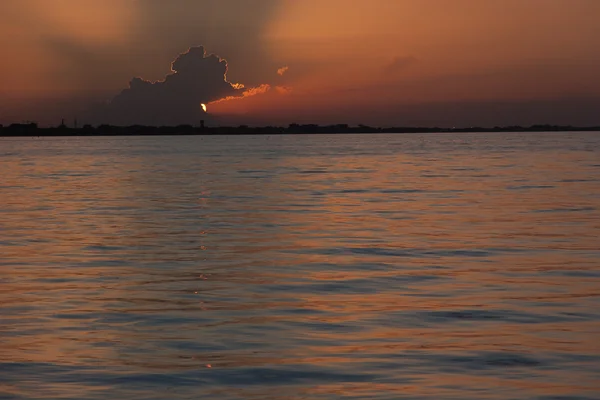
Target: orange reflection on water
{"points": [[338, 267]]}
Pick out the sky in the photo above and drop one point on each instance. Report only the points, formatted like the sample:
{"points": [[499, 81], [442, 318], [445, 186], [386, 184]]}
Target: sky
{"points": [[377, 62]]}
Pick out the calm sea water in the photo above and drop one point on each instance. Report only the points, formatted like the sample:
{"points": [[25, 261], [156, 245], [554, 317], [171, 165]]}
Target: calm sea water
{"points": [[450, 266]]}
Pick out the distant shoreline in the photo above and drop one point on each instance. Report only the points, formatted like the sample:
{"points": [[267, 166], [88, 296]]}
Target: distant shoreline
{"points": [[32, 130]]}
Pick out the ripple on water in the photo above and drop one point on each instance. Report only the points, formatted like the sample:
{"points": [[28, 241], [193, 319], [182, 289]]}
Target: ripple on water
{"points": [[321, 267]]}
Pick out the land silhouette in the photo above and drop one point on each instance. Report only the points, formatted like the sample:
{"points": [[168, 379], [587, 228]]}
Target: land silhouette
{"points": [[32, 129]]}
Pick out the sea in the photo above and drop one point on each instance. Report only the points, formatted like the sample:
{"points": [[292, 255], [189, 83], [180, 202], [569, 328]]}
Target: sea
{"points": [[393, 266]]}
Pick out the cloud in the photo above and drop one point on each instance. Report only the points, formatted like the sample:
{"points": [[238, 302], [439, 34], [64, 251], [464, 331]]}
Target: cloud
{"points": [[234, 28], [196, 78], [283, 89], [257, 90], [282, 70], [399, 64], [262, 89]]}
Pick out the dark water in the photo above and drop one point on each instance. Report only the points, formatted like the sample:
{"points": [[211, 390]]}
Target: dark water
{"points": [[315, 267]]}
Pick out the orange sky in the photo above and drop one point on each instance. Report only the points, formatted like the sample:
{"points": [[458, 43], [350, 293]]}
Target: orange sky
{"points": [[346, 58]]}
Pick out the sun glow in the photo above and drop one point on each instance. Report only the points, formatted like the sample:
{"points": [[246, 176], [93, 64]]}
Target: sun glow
{"points": [[204, 107]]}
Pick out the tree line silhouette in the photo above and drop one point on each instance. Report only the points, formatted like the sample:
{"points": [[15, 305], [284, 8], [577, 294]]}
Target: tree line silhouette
{"points": [[32, 129]]}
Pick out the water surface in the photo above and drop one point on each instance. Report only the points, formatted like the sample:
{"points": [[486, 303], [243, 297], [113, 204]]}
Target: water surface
{"points": [[458, 266]]}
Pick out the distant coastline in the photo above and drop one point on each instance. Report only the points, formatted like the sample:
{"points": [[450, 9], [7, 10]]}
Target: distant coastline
{"points": [[31, 129]]}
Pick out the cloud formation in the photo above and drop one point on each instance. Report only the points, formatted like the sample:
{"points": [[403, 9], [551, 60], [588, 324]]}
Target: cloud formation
{"points": [[281, 71], [262, 89], [196, 78]]}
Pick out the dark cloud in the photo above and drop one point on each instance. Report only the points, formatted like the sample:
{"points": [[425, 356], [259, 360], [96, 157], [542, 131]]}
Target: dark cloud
{"points": [[93, 71], [229, 27], [156, 31], [196, 78]]}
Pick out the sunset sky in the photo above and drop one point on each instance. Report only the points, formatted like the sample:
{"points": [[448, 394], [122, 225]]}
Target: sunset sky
{"points": [[379, 62]]}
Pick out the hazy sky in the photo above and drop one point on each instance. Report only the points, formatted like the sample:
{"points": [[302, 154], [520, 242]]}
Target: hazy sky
{"points": [[384, 62]]}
